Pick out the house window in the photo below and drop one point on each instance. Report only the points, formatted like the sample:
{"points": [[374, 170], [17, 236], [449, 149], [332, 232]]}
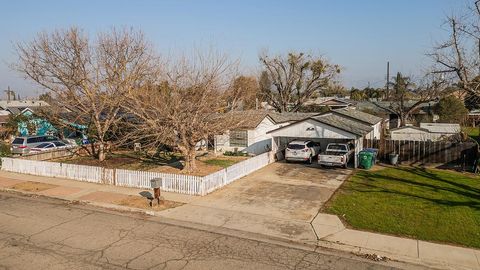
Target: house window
{"points": [[238, 138]]}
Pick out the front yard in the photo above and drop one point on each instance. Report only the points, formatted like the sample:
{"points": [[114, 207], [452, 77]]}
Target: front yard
{"points": [[426, 204], [165, 162]]}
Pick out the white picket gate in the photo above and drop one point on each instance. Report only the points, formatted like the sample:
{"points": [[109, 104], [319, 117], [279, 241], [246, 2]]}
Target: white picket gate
{"points": [[185, 184]]}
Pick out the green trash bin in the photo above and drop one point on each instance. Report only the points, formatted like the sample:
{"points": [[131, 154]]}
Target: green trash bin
{"points": [[366, 159]]}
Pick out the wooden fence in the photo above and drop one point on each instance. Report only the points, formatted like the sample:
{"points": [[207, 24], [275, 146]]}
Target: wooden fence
{"points": [[186, 184], [426, 152]]}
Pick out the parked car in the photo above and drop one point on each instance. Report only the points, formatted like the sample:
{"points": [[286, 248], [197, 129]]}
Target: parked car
{"points": [[336, 154], [55, 145], [302, 151], [22, 145]]}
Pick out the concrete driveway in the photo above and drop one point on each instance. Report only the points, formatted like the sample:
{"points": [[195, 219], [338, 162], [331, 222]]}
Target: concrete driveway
{"points": [[280, 199], [283, 190]]}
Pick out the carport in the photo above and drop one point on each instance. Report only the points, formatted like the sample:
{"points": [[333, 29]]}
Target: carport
{"points": [[325, 128]]}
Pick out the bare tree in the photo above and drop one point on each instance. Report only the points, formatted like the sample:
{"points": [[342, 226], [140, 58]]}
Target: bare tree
{"points": [[186, 107], [89, 79], [458, 57], [287, 82]]}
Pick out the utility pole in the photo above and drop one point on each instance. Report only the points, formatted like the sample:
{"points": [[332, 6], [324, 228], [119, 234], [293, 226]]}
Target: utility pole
{"points": [[9, 93], [388, 81]]}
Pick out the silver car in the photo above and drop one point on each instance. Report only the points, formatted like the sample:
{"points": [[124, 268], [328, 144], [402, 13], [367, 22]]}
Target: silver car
{"points": [[22, 145]]}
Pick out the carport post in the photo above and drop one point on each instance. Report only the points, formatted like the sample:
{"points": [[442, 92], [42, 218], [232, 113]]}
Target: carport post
{"points": [[355, 154]]}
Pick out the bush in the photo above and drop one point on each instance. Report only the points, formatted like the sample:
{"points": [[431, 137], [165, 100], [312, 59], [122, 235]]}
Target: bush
{"points": [[235, 154], [451, 110], [5, 150]]}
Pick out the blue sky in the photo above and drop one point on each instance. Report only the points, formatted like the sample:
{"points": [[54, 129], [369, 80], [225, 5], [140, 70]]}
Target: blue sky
{"points": [[359, 35]]}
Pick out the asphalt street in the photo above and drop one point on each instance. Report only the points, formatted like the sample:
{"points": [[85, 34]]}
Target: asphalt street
{"points": [[44, 233]]}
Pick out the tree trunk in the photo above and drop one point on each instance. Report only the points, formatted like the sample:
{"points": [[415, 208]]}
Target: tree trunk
{"points": [[101, 151], [189, 155]]}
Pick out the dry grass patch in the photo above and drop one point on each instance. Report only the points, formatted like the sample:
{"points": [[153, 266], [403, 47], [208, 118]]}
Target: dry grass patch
{"points": [[143, 203], [33, 186]]}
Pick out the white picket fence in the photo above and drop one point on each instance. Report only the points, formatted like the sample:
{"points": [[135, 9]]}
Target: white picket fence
{"points": [[186, 184]]}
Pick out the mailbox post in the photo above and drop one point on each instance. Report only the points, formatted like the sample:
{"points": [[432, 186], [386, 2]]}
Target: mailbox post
{"points": [[156, 183]]}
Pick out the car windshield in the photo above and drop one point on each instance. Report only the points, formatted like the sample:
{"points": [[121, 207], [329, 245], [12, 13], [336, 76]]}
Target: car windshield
{"points": [[296, 146], [340, 147], [18, 141], [44, 145]]}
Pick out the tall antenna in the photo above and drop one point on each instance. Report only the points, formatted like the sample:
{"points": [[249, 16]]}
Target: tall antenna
{"points": [[388, 81]]}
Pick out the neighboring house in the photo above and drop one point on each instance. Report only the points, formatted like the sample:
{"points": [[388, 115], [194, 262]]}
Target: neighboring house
{"points": [[28, 108], [41, 126], [426, 132], [19, 105], [251, 135], [473, 117], [383, 109]]}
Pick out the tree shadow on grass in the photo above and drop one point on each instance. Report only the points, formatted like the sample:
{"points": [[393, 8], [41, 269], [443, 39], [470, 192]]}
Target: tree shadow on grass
{"points": [[424, 173], [372, 188]]}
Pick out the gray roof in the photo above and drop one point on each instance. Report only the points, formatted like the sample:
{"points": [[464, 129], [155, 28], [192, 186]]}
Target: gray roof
{"points": [[289, 116], [359, 115], [383, 107], [15, 110], [408, 127], [248, 119], [343, 123], [22, 103], [444, 128]]}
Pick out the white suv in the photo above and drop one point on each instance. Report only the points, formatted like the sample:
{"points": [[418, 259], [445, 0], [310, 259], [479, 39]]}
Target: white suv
{"points": [[302, 151]]}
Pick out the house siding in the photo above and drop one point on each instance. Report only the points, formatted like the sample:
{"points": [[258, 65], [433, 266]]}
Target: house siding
{"points": [[258, 140]]}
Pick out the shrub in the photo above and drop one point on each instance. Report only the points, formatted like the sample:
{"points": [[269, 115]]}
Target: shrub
{"points": [[235, 154]]}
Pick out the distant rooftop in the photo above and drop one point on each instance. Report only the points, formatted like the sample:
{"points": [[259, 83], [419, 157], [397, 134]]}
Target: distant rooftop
{"points": [[441, 128], [359, 115], [289, 116], [4, 104]]}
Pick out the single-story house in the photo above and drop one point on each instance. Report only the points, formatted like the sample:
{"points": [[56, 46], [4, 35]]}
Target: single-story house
{"points": [[344, 125], [426, 132], [251, 134]]}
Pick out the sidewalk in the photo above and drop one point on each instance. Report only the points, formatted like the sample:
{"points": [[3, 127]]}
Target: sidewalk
{"points": [[324, 230]]}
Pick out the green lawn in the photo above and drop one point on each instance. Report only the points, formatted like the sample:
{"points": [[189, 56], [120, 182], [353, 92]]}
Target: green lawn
{"points": [[426, 204], [221, 162]]}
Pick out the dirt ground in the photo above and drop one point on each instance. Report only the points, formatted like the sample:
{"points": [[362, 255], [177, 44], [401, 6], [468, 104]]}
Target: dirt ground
{"points": [[33, 186], [143, 203]]}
